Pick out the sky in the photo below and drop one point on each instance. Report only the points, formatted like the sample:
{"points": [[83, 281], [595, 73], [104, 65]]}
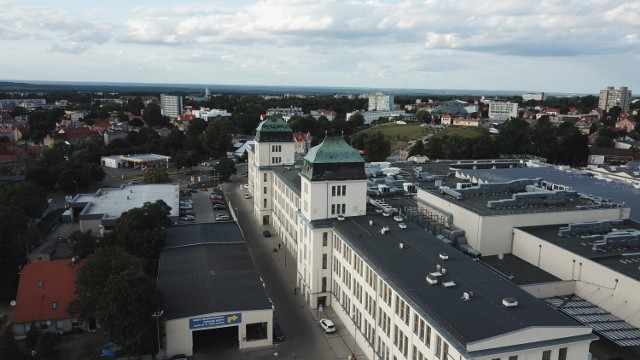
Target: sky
{"points": [[569, 46]]}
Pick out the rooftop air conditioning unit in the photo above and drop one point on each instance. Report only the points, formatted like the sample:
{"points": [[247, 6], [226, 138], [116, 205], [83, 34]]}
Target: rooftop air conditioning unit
{"points": [[401, 245], [402, 226], [443, 271], [370, 222], [448, 284], [510, 302], [432, 280], [340, 217], [466, 296], [444, 256]]}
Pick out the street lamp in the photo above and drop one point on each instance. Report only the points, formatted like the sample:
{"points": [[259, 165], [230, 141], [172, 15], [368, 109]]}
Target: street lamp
{"points": [[158, 315], [76, 186]]}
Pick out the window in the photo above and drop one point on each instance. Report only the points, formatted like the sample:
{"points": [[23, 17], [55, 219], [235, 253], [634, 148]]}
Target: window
{"points": [[324, 261], [562, 354], [427, 340], [265, 203], [438, 347], [265, 178], [264, 190], [324, 284], [44, 325], [54, 305], [513, 357], [546, 355], [40, 283], [324, 239]]}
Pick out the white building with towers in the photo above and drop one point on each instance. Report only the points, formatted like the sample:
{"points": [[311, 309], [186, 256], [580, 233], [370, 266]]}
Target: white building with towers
{"points": [[404, 292]]}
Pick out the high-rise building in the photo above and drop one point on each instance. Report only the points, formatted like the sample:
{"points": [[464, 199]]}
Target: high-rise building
{"points": [[380, 101], [611, 97], [503, 110], [171, 105]]}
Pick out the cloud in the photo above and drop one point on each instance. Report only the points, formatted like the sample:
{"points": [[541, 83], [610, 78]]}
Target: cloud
{"points": [[70, 48]]}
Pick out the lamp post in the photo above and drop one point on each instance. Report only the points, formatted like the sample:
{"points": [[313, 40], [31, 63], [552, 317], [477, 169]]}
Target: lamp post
{"points": [[355, 333], [76, 186], [158, 315]]}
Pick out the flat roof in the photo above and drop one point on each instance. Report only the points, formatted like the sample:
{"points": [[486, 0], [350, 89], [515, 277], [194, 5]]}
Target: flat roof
{"points": [[578, 181], [110, 203], [207, 268], [625, 260], [406, 270], [517, 270]]}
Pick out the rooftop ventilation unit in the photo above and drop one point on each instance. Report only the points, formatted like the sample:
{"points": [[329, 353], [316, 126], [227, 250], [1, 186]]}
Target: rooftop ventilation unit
{"points": [[384, 230], [432, 280], [127, 197], [467, 295], [370, 222], [444, 256], [402, 226], [401, 246], [340, 217], [510, 302], [398, 218], [448, 284], [438, 267], [443, 271]]}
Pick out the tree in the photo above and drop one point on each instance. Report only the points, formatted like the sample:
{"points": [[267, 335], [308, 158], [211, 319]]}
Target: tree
{"points": [[217, 137], [417, 148], [140, 231], [84, 244], [186, 159], [355, 121], [125, 312], [154, 175], [31, 198], [9, 347], [152, 116], [377, 147], [93, 276], [514, 137], [224, 168], [423, 116]]}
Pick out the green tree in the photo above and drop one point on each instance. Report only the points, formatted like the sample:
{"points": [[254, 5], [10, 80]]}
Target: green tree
{"points": [[125, 312], [434, 148], [47, 344], [152, 116], [31, 198], [186, 159], [417, 149], [154, 175], [355, 121], [377, 147], [140, 231], [217, 137], [84, 244], [423, 116], [93, 276], [224, 168], [9, 346], [514, 137]]}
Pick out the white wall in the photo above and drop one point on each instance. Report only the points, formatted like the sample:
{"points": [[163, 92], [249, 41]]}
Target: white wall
{"points": [[594, 282], [316, 202], [264, 153], [179, 337]]}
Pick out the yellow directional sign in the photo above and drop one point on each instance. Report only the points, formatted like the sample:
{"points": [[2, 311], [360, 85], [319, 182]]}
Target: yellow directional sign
{"points": [[216, 320], [232, 318]]}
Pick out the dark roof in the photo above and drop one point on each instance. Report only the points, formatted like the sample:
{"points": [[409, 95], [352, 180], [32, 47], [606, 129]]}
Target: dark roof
{"points": [[580, 182], [207, 268], [406, 269], [274, 129], [519, 271]]}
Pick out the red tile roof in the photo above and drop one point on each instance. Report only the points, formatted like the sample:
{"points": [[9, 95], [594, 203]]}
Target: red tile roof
{"points": [[186, 117], [300, 137], [41, 285]]}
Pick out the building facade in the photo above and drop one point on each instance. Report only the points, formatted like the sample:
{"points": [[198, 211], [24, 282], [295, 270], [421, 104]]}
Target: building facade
{"points": [[407, 294], [533, 96], [171, 105], [502, 110], [611, 97], [380, 102]]}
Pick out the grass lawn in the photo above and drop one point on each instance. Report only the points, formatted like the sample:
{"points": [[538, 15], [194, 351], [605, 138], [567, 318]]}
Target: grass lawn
{"points": [[399, 135], [463, 131]]}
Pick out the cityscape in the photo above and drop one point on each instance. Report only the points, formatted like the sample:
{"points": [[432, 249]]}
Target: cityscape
{"points": [[370, 225], [285, 179]]}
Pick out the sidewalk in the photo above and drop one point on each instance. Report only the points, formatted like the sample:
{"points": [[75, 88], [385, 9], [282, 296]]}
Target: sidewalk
{"points": [[342, 341]]}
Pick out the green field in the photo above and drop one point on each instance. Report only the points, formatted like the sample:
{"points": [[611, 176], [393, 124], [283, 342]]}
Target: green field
{"points": [[399, 135], [463, 131]]}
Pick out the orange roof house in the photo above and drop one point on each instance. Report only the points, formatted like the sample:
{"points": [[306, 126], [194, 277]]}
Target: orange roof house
{"points": [[44, 292]]}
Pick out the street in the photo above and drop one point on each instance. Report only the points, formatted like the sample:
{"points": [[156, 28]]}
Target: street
{"points": [[304, 337]]}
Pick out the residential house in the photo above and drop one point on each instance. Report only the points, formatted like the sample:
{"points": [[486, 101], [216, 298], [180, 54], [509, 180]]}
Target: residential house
{"points": [[445, 119], [624, 123], [466, 122], [302, 142], [329, 114], [44, 293]]}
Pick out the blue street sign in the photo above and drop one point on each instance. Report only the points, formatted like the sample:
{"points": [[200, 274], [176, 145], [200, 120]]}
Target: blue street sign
{"points": [[214, 321]]}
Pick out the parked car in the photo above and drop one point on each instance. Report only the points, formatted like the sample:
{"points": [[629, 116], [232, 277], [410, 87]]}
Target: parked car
{"points": [[246, 186], [179, 357], [188, 218], [222, 217], [266, 233], [216, 196], [213, 202], [187, 212], [247, 196], [327, 325], [219, 207], [278, 333]]}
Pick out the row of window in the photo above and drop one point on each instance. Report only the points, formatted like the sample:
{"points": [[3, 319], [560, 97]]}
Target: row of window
{"points": [[339, 190], [338, 209]]}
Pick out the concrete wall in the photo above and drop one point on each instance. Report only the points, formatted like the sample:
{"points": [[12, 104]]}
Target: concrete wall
{"points": [[492, 235], [179, 337], [594, 282]]}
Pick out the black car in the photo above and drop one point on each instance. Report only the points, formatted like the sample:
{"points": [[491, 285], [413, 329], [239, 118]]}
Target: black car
{"points": [[219, 207], [266, 233], [278, 333]]}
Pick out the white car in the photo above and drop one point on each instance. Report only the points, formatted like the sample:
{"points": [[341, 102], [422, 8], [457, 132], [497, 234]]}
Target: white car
{"points": [[327, 325], [222, 217]]}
